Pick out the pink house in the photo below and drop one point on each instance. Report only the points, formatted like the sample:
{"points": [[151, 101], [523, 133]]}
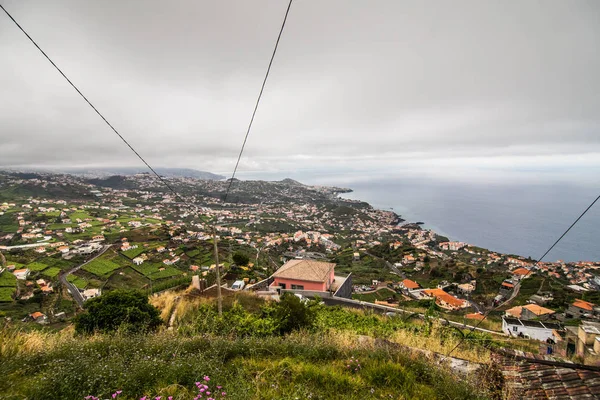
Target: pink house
{"points": [[305, 275]]}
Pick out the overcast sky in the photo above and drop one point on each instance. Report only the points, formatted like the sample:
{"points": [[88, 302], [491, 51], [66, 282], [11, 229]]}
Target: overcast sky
{"points": [[481, 89]]}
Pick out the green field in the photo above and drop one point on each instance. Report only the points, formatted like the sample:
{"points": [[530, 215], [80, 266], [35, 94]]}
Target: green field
{"points": [[193, 253], [82, 215], [51, 272], [8, 222], [60, 226], [57, 262], [79, 283], [17, 265], [37, 266], [378, 295], [7, 279], [127, 279], [133, 253], [166, 273], [101, 267], [6, 294], [152, 271]]}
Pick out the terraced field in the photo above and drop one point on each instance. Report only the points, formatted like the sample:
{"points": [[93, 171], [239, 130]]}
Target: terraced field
{"points": [[79, 283], [7, 279], [6, 294], [37, 266], [51, 272], [101, 267]]}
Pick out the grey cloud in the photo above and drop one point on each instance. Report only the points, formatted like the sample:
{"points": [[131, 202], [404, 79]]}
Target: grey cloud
{"points": [[353, 80]]}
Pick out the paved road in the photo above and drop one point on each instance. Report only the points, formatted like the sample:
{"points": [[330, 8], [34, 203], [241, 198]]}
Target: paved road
{"points": [[72, 288], [475, 306], [514, 294]]}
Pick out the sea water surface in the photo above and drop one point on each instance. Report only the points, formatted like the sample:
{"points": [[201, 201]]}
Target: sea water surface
{"points": [[523, 219]]}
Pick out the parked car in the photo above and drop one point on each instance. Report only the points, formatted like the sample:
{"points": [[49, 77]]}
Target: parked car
{"points": [[238, 285]]}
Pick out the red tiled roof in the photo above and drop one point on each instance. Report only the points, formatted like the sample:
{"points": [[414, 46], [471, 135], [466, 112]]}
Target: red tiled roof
{"points": [[537, 377], [521, 271], [440, 295], [586, 305], [305, 270], [410, 284]]}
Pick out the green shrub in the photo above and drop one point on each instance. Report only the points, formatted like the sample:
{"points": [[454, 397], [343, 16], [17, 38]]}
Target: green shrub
{"points": [[241, 258], [118, 309]]}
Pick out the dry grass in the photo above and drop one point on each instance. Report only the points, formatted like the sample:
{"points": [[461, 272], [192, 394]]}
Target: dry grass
{"points": [[435, 344], [165, 302], [14, 342]]}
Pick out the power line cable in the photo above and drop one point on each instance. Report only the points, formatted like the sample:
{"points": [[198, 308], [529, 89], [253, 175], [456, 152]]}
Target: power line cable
{"points": [[525, 276], [164, 182], [257, 102]]}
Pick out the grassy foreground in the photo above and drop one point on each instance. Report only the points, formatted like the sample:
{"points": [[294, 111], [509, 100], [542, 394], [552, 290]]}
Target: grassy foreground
{"points": [[302, 365]]}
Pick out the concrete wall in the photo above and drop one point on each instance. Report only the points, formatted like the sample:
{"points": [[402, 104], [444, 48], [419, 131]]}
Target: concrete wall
{"points": [[345, 290], [308, 293]]}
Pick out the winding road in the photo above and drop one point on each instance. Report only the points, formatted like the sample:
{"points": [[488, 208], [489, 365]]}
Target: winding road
{"points": [[72, 288]]}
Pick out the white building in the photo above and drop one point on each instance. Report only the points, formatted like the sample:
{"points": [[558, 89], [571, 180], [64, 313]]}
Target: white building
{"points": [[22, 274], [138, 261], [538, 330], [91, 293]]}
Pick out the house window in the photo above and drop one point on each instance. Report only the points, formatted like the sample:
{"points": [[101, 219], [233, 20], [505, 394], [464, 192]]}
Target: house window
{"points": [[297, 287], [514, 328]]}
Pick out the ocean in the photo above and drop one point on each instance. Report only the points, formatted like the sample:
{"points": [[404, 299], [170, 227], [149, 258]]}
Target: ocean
{"points": [[523, 219]]}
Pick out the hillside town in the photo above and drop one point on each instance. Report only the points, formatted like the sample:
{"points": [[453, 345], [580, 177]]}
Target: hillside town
{"points": [[67, 239]]}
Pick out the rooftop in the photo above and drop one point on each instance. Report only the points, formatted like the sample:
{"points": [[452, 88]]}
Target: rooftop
{"points": [[305, 270], [535, 377], [532, 324], [521, 271], [410, 284], [586, 305]]}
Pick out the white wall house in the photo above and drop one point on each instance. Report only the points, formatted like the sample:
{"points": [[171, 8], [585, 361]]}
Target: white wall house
{"points": [[22, 274], [537, 330]]}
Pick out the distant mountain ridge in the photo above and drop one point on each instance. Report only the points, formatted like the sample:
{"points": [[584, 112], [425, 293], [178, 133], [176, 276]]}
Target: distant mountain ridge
{"points": [[168, 172]]}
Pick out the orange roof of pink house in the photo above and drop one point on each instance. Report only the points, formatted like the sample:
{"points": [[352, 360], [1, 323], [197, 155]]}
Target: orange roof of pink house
{"points": [[305, 270]]}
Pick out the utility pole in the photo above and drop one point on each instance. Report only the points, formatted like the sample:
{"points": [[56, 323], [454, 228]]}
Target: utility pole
{"points": [[219, 299]]}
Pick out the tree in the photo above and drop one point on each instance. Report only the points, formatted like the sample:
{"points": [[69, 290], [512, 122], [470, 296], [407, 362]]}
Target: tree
{"points": [[241, 258], [291, 314], [118, 309]]}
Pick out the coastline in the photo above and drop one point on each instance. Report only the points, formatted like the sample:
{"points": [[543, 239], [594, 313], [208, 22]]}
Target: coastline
{"points": [[399, 220]]}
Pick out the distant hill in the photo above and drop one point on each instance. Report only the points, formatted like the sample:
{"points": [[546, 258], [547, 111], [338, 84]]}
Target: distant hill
{"points": [[291, 182], [115, 182], [169, 172]]}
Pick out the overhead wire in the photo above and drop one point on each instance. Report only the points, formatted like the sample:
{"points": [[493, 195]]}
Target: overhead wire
{"points": [[178, 196], [257, 102], [164, 182], [525, 276]]}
